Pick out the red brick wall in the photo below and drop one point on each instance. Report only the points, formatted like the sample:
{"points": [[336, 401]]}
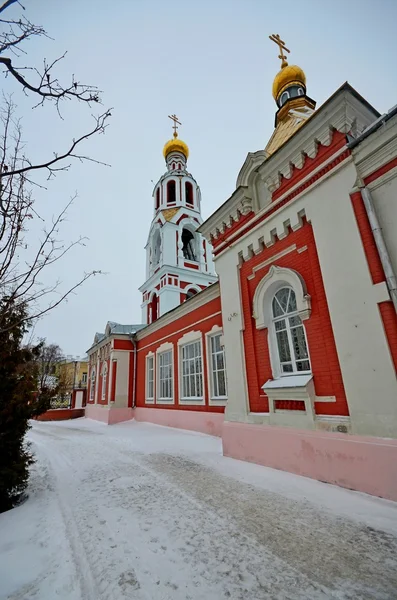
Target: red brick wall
{"points": [[321, 343], [367, 238], [201, 319], [389, 320], [386, 309], [61, 414]]}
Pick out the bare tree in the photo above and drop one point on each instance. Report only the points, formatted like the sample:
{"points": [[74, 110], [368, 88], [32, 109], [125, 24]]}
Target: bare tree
{"points": [[21, 266], [47, 361]]}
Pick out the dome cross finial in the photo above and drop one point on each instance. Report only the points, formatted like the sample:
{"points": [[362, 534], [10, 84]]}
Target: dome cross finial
{"points": [[275, 37], [175, 126]]}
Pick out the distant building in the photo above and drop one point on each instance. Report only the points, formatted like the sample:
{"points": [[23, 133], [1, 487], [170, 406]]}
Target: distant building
{"points": [[72, 374], [291, 356]]}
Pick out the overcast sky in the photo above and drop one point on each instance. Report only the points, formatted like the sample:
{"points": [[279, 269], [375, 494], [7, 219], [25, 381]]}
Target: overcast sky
{"points": [[210, 62]]}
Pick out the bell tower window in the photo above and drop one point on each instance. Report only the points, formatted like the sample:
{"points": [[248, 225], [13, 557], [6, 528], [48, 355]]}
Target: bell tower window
{"points": [[171, 192], [153, 309], [188, 249], [157, 198], [189, 193]]}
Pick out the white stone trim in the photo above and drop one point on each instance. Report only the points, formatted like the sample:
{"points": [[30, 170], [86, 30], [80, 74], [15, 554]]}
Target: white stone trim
{"points": [[189, 338], [164, 348], [294, 387], [214, 401], [276, 278], [272, 259], [153, 356]]}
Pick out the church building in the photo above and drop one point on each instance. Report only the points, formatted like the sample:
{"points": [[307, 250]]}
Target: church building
{"points": [[291, 356]]}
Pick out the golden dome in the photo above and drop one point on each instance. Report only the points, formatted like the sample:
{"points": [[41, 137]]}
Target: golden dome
{"points": [[175, 145], [289, 75]]}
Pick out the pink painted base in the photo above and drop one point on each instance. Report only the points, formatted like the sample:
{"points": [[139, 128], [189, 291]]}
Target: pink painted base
{"points": [[355, 462], [204, 422], [108, 415]]}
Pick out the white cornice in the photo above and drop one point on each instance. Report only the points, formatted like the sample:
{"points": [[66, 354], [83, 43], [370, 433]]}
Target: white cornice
{"points": [[175, 270], [377, 150], [344, 112]]}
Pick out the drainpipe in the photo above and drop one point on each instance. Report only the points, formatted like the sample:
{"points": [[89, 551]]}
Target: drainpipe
{"points": [[133, 340], [380, 244]]}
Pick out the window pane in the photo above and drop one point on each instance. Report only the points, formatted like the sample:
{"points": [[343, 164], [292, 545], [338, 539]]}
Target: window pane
{"points": [[192, 378], [294, 321], [283, 297], [292, 302], [219, 361], [277, 310], [283, 346], [299, 342], [303, 365], [279, 325], [222, 383], [287, 368]]}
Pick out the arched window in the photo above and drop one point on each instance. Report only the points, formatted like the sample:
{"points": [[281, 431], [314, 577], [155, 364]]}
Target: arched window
{"points": [[156, 252], [173, 166], [153, 309], [190, 293], [92, 388], [188, 245], [157, 198], [284, 98], [290, 333], [104, 380], [171, 192], [189, 193]]}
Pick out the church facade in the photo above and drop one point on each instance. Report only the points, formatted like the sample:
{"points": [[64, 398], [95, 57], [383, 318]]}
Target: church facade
{"points": [[291, 356]]}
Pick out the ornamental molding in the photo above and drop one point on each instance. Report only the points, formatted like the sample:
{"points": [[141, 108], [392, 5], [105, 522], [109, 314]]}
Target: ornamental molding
{"points": [[345, 112], [377, 150], [240, 204], [276, 278]]}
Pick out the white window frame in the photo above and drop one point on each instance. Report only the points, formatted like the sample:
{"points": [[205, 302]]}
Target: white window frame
{"points": [[104, 380], [190, 338], [92, 383], [166, 347], [212, 399], [150, 357], [287, 329], [84, 378], [274, 280]]}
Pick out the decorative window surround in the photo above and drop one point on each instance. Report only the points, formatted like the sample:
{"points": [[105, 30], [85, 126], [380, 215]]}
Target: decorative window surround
{"points": [[276, 278], [190, 338], [167, 346], [149, 378], [104, 380], [214, 400]]}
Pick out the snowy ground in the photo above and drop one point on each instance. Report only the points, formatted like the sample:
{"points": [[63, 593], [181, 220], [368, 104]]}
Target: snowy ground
{"points": [[149, 513]]}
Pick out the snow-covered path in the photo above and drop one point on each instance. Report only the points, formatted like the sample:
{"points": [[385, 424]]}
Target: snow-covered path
{"points": [[149, 513]]}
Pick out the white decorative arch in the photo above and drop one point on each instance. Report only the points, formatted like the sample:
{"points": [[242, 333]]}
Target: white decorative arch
{"points": [[192, 286], [191, 225], [275, 279]]}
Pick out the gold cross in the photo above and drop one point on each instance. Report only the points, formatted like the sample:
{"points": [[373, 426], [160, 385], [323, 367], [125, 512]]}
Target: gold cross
{"points": [[175, 126], [275, 37]]}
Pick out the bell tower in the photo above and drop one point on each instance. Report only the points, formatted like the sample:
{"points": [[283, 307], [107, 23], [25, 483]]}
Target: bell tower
{"points": [[178, 259]]}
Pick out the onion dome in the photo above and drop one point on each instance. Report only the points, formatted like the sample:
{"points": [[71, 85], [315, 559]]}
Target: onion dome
{"points": [[176, 145], [288, 76]]}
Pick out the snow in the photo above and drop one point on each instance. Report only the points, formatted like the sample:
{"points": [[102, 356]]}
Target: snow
{"points": [[145, 512]]}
